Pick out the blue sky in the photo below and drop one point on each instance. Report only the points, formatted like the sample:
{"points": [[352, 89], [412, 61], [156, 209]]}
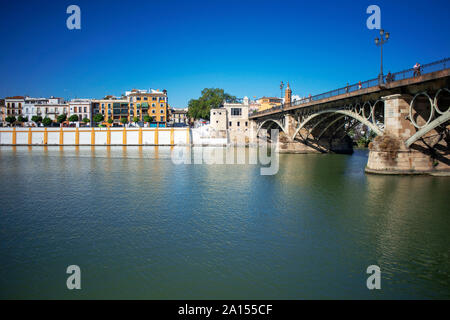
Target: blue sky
{"points": [[244, 47]]}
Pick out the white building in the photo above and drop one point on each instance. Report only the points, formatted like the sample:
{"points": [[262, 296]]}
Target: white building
{"points": [[81, 108], [33, 107], [53, 108], [232, 119]]}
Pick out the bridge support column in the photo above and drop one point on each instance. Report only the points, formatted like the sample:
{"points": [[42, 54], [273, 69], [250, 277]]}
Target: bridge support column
{"points": [[253, 129], [388, 153], [286, 143]]}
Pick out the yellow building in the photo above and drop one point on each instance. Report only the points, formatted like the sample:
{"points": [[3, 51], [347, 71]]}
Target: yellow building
{"points": [[153, 103], [268, 102], [135, 103], [111, 108]]}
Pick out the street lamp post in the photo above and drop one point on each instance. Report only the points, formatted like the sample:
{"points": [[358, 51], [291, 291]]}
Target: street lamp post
{"points": [[281, 89], [384, 37]]}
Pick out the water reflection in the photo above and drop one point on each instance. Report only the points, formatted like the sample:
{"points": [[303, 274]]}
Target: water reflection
{"points": [[135, 220]]}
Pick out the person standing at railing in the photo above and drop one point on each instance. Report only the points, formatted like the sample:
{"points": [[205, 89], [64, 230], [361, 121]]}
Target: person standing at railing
{"points": [[359, 85], [417, 67], [346, 88], [389, 77]]}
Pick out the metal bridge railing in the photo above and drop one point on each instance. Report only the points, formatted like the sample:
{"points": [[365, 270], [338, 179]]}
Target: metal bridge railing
{"points": [[402, 75]]}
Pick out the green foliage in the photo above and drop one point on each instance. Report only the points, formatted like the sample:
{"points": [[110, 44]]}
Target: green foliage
{"points": [[47, 121], [124, 120], [148, 118], [10, 119], [73, 118], [21, 119], [36, 119], [61, 118], [135, 119], [110, 120], [211, 98], [98, 118], [86, 120]]}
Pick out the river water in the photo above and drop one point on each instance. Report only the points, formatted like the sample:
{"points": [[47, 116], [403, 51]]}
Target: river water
{"points": [[141, 227]]}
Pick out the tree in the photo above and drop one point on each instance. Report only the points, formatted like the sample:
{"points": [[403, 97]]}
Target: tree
{"points": [[135, 119], [21, 119], [210, 98], [124, 120], [36, 119], [148, 118], [86, 120], [110, 120], [10, 119], [47, 121], [98, 118], [73, 118], [61, 118]]}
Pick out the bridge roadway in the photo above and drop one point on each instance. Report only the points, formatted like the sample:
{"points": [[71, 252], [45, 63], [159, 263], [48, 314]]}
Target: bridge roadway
{"points": [[353, 94]]}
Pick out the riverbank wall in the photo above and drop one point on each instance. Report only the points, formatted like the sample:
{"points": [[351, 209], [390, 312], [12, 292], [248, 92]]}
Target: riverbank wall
{"points": [[95, 136]]}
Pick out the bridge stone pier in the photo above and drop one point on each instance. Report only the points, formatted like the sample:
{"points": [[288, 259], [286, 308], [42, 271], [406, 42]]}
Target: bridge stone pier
{"points": [[409, 117], [394, 152]]}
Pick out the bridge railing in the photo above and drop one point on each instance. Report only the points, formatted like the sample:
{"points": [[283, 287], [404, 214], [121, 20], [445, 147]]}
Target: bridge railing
{"points": [[402, 75]]}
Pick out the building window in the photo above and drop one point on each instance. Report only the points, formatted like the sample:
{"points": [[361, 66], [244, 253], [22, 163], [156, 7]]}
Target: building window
{"points": [[236, 111], [154, 99], [162, 110], [246, 123], [138, 98], [230, 123], [85, 109], [162, 118], [153, 105], [145, 98], [153, 111], [161, 105], [238, 123]]}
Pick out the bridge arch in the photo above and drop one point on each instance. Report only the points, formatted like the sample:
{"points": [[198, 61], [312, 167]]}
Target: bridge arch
{"points": [[271, 121], [345, 112]]}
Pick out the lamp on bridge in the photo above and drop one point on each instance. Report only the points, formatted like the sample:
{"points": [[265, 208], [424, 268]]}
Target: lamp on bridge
{"points": [[379, 42]]}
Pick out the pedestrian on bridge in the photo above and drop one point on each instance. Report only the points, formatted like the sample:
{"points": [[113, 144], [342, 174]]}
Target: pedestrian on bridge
{"points": [[359, 85], [417, 67], [389, 77]]}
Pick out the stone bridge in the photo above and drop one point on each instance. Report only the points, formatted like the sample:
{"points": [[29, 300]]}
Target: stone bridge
{"points": [[409, 114]]}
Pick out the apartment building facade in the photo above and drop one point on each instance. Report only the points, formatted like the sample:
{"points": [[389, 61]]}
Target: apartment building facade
{"points": [[110, 108], [13, 106], [81, 108], [148, 102]]}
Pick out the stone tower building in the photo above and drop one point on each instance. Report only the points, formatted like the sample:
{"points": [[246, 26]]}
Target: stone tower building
{"points": [[287, 96]]}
